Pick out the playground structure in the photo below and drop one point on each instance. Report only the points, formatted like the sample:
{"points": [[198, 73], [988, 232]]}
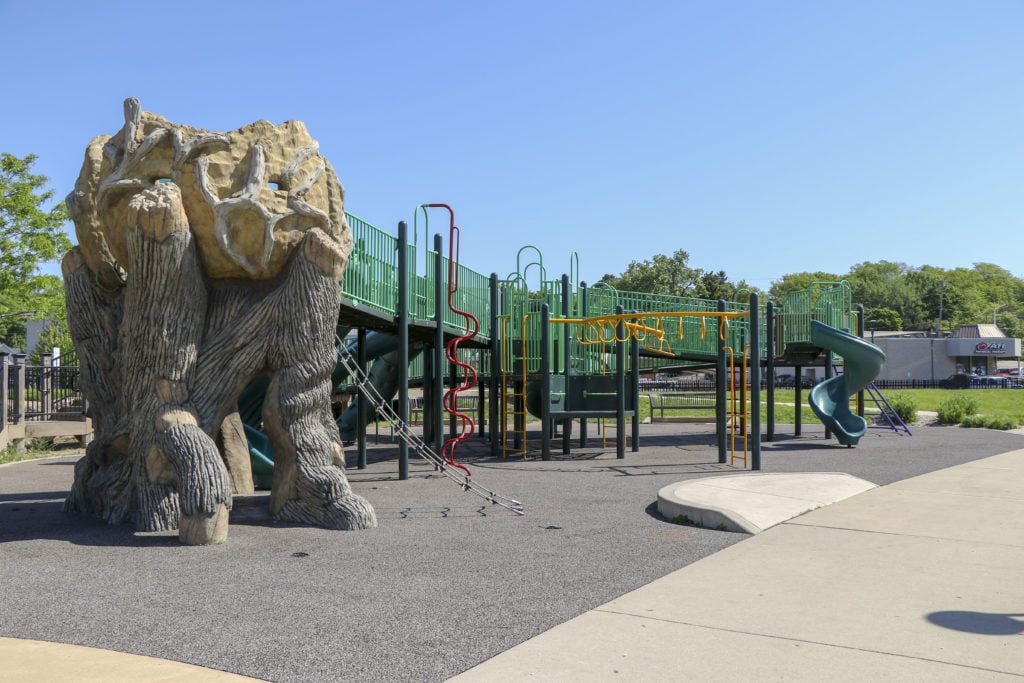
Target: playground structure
{"points": [[216, 274], [570, 354]]}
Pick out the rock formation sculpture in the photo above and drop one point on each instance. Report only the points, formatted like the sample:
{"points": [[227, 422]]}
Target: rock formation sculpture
{"points": [[205, 260]]}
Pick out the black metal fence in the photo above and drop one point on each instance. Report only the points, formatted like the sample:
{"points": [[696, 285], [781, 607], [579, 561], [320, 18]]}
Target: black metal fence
{"points": [[12, 402], [897, 384], [42, 392], [975, 383], [688, 384]]}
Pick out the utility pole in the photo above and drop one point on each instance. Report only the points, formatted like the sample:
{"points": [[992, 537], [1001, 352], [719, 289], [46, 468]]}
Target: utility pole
{"points": [[942, 291]]}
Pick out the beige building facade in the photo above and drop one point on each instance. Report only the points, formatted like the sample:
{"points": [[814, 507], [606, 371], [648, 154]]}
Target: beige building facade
{"points": [[971, 349]]}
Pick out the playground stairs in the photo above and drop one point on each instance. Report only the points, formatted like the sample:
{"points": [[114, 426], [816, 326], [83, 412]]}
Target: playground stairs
{"points": [[889, 414], [513, 415]]}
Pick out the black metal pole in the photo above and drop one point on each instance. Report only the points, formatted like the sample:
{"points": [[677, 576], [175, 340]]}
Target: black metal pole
{"points": [[497, 377], [583, 314], [634, 396], [755, 383], [720, 385], [545, 376], [437, 377], [361, 402], [496, 369], [620, 386], [567, 355], [798, 385], [481, 413], [403, 344], [769, 371], [860, 333]]}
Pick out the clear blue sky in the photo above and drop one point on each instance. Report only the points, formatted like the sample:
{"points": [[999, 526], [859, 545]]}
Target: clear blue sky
{"points": [[762, 137]]}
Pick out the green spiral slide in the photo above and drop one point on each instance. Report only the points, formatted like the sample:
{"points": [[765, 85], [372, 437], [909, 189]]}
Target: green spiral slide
{"points": [[830, 400]]}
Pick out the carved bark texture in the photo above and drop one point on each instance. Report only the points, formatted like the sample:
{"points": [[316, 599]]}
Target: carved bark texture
{"points": [[166, 352]]}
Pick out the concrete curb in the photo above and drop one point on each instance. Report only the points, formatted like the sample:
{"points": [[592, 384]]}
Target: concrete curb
{"points": [[751, 503]]}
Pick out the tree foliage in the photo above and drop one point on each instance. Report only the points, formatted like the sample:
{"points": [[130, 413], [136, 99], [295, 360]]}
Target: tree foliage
{"points": [[895, 295], [672, 275], [900, 297], [882, 319], [30, 236], [794, 282]]}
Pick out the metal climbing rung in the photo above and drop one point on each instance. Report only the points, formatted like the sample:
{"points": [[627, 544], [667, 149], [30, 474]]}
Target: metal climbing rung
{"points": [[417, 444]]}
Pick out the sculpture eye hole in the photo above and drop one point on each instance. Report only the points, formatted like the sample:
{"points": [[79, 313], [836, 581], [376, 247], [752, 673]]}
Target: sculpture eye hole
{"points": [[275, 185], [163, 181]]}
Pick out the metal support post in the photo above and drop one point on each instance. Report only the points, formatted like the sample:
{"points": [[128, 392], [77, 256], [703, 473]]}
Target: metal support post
{"points": [[403, 344], [721, 399], [620, 386], [755, 383]]}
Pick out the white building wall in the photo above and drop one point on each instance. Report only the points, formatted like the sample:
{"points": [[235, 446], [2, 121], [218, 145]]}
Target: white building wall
{"points": [[915, 358]]}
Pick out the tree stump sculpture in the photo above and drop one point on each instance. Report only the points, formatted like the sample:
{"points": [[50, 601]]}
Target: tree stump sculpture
{"points": [[204, 261]]}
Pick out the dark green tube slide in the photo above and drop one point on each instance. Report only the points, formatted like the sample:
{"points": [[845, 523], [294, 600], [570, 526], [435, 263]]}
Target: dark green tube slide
{"points": [[830, 400]]}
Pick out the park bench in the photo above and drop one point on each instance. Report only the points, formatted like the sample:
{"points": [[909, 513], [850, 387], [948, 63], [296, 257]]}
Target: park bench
{"points": [[664, 406], [465, 403]]}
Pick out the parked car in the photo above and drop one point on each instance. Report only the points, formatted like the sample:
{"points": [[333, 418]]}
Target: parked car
{"points": [[789, 380], [994, 382], [959, 381]]}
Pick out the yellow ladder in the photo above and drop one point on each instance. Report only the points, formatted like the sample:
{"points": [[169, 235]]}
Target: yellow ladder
{"points": [[513, 406]]}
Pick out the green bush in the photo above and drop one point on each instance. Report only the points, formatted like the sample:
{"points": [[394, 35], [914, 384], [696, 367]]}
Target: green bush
{"points": [[905, 406], [954, 409], [982, 422]]}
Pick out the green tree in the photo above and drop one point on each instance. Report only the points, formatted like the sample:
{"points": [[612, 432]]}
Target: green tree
{"points": [[1011, 324], [966, 300], [882, 319], [795, 282], [55, 334], [714, 286], [673, 275], [30, 235], [661, 274], [884, 285]]}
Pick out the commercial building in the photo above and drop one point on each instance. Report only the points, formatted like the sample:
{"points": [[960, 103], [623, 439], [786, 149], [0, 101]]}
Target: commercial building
{"points": [[970, 349]]}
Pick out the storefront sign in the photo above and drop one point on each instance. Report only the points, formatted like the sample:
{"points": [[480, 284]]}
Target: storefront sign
{"points": [[998, 346]]}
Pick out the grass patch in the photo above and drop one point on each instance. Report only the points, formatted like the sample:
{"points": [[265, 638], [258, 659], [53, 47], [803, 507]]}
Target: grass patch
{"points": [[683, 520], [1007, 403], [31, 449]]}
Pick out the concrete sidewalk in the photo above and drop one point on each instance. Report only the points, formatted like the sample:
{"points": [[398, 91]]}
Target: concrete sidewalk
{"points": [[39, 661], [922, 579]]}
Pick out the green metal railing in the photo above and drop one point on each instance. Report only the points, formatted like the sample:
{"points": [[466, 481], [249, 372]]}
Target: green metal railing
{"points": [[371, 278], [473, 296], [827, 302]]}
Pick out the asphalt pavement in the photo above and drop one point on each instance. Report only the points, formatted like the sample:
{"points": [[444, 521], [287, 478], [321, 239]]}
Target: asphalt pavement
{"points": [[447, 581]]}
